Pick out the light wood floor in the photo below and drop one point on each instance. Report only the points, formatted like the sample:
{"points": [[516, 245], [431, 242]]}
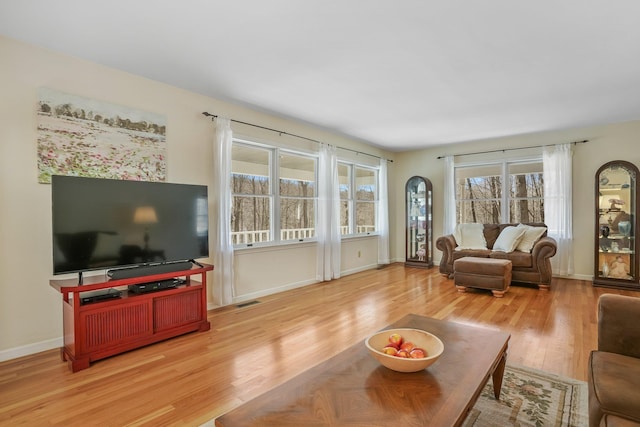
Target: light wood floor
{"points": [[191, 379]]}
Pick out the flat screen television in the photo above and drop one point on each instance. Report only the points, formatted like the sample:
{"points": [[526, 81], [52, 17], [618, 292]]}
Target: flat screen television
{"points": [[112, 224]]}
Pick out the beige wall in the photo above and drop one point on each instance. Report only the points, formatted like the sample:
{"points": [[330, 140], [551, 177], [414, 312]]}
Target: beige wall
{"points": [[30, 310]]}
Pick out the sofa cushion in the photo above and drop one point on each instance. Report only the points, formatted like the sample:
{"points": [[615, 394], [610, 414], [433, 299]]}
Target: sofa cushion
{"points": [[508, 239], [477, 253], [491, 232], [613, 381], [470, 236], [531, 236], [518, 259]]}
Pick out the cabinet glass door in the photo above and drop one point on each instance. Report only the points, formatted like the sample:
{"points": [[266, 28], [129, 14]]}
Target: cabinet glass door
{"points": [[616, 261], [419, 221]]}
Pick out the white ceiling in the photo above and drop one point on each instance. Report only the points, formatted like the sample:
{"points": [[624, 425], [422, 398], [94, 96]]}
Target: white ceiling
{"points": [[398, 74]]}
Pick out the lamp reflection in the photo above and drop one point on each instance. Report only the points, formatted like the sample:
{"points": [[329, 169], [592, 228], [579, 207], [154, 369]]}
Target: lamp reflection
{"points": [[145, 215]]}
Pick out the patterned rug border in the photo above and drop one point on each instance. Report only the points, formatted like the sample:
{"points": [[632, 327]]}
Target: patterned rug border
{"points": [[525, 406]]}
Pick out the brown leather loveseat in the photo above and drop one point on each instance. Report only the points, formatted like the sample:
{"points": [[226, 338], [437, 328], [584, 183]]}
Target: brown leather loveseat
{"points": [[532, 267], [614, 368]]}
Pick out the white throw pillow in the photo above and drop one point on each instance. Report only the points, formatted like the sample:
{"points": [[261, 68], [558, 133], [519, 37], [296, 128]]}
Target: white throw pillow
{"points": [[531, 236], [470, 236], [508, 239]]}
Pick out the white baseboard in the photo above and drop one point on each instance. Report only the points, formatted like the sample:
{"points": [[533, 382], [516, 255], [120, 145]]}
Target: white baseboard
{"points": [[358, 269], [254, 295], [26, 350], [587, 277]]}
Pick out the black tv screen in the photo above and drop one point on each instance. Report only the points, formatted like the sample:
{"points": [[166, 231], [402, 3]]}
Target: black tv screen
{"points": [[106, 223]]}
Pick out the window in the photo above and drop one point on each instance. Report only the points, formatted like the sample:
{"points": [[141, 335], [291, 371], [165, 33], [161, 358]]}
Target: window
{"points": [[358, 198], [346, 200], [251, 194], [509, 191], [526, 192], [263, 212], [479, 194], [297, 196]]}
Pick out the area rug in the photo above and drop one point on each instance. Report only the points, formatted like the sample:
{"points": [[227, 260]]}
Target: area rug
{"points": [[531, 398]]}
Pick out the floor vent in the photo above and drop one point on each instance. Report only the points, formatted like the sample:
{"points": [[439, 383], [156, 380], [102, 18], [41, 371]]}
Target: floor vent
{"points": [[244, 304]]}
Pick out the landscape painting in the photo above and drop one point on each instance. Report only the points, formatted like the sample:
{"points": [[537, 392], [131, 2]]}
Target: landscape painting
{"points": [[83, 137]]}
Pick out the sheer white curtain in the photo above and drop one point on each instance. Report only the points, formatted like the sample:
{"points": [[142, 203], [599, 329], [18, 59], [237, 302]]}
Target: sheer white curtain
{"points": [[328, 227], [383, 215], [557, 170], [223, 285], [449, 220]]}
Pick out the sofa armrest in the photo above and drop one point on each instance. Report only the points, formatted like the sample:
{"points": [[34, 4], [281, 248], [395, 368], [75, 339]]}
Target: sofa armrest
{"points": [[541, 253], [619, 324], [545, 247], [447, 244]]}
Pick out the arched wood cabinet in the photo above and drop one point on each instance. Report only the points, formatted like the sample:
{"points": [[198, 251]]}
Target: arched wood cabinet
{"points": [[418, 202], [616, 251]]}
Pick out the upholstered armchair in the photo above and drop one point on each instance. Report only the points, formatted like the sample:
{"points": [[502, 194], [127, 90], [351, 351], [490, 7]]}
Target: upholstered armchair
{"points": [[614, 368]]}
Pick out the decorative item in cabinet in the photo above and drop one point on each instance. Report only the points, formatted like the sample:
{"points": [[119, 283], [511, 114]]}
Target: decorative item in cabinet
{"points": [[418, 193], [616, 255]]}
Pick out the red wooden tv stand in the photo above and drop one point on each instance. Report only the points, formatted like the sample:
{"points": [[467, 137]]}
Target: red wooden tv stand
{"points": [[101, 329]]}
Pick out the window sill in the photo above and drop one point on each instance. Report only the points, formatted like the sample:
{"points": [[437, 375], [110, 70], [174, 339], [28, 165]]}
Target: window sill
{"points": [[266, 245], [305, 242], [360, 236]]}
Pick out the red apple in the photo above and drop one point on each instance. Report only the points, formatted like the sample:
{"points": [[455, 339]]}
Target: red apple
{"points": [[407, 346], [417, 353], [389, 349], [395, 340], [403, 353]]}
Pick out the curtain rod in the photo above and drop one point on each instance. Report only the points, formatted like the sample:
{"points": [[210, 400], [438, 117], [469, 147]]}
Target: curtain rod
{"points": [[510, 149], [213, 116]]}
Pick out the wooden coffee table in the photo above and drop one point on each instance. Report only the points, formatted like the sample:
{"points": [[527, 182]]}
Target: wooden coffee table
{"points": [[351, 388]]}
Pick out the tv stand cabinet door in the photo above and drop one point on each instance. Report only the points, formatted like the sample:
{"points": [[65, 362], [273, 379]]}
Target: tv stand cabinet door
{"points": [[114, 326], [178, 309]]}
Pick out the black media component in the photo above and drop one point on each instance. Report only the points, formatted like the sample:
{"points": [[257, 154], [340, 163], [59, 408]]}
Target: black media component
{"points": [[143, 288], [100, 295], [107, 224]]}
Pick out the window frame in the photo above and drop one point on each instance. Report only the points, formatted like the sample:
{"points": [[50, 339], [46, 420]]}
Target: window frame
{"points": [[275, 228], [279, 198], [508, 184], [352, 200], [505, 197]]}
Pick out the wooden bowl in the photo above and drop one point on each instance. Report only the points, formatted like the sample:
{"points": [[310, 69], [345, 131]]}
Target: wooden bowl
{"points": [[425, 340]]}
